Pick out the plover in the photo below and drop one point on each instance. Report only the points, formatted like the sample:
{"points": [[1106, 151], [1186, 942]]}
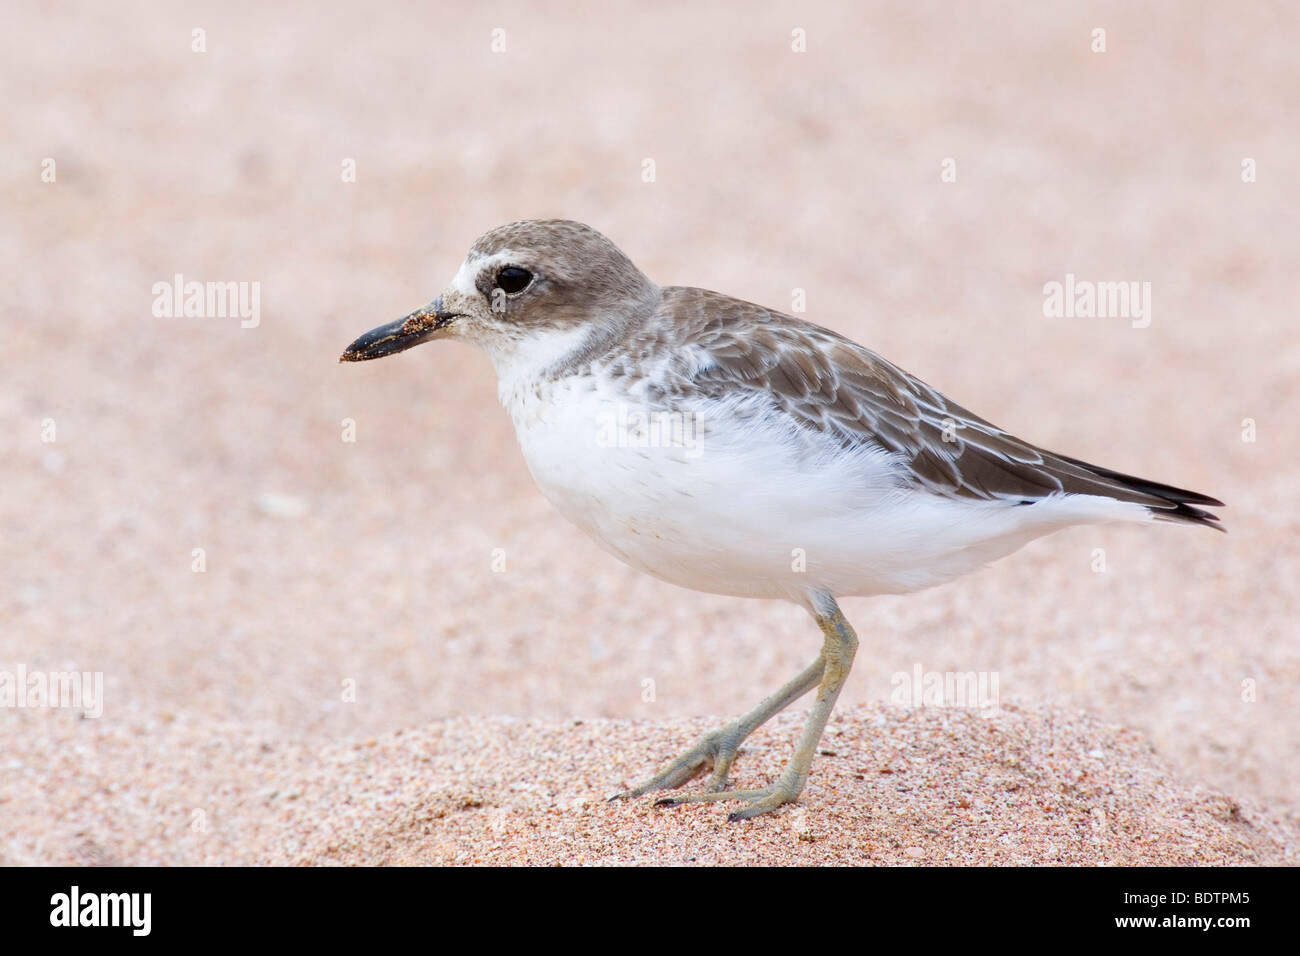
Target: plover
{"points": [[732, 449]]}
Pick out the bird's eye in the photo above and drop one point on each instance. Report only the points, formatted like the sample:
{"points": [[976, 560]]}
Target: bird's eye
{"points": [[513, 279]]}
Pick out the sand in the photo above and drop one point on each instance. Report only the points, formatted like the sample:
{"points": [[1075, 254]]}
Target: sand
{"points": [[185, 515], [891, 786]]}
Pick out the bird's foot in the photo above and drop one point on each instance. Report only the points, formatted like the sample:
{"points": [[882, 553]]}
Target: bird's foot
{"points": [[716, 751], [764, 800]]}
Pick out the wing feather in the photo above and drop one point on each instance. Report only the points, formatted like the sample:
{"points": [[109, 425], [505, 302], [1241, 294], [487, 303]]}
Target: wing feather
{"points": [[831, 385]]}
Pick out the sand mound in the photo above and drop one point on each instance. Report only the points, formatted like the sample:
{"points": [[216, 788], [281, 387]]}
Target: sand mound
{"points": [[1028, 786]]}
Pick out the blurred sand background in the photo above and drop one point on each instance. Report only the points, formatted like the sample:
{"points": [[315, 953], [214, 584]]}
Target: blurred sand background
{"points": [[372, 561]]}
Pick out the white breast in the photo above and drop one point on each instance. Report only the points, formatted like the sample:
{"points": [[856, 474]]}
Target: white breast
{"points": [[692, 496]]}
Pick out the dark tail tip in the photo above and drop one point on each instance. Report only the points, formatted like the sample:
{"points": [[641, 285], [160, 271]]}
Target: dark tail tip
{"points": [[1183, 514], [1181, 502]]}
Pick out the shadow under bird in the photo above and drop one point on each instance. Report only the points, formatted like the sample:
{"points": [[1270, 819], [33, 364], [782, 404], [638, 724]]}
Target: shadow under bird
{"points": [[728, 448]]}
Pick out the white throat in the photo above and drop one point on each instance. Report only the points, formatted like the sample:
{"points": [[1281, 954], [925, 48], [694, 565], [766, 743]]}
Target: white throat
{"points": [[523, 361]]}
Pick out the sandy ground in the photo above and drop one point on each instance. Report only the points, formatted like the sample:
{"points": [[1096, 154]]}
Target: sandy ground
{"points": [[353, 591], [1036, 785]]}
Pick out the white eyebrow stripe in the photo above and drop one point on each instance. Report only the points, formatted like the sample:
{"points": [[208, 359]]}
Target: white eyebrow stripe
{"points": [[463, 281], [473, 266]]}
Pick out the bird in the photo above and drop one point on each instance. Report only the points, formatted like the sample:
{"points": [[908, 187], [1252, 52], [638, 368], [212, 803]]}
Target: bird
{"points": [[733, 449]]}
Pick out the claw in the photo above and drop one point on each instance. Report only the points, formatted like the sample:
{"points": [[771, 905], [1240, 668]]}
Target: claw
{"points": [[716, 752], [760, 801]]}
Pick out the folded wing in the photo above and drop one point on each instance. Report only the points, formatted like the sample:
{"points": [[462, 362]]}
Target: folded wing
{"points": [[834, 386]]}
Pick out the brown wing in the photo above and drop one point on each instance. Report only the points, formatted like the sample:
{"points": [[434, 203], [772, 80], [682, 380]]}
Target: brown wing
{"points": [[830, 384]]}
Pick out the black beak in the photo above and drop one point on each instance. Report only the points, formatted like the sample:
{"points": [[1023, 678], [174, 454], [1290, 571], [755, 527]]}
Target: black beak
{"points": [[399, 336]]}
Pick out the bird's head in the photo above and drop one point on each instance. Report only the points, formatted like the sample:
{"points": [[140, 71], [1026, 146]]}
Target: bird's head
{"points": [[521, 285]]}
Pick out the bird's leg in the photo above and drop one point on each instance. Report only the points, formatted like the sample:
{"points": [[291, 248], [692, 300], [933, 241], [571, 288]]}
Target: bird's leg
{"points": [[837, 652], [717, 749]]}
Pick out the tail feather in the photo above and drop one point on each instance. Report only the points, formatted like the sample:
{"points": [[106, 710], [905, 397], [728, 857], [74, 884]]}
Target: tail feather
{"points": [[1177, 503]]}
